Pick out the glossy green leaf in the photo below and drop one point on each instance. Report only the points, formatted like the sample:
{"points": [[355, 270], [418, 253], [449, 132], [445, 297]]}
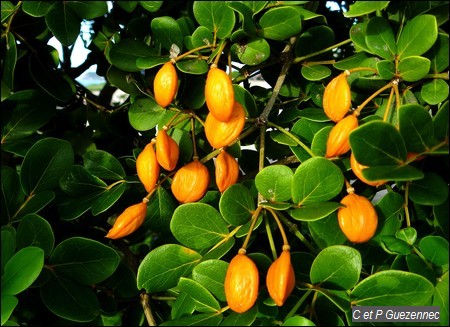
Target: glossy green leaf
{"points": [[416, 265], [394, 245], [182, 306], [380, 38], [194, 66], [280, 23], [160, 210], [201, 319], [198, 225], [120, 79], [211, 274], [193, 95], [246, 14], [336, 267], [358, 36], [274, 182], [314, 39], [339, 298], [70, 300], [392, 287], [30, 110], [386, 69], [253, 52], [236, 205], [122, 282], [440, 122], [216, 16], [408, 234], [45, 162], [204, 300], [89, 9], [167, 31], [435, 249], [416, 127], [432, 190], [439, 54], [9, 303], [388, 172], [326, 232], [414, 68], [319, 143], [37, 202], [108, 198], [128, 6], [316, 180], [151, 6], [202, 36], [314, 211], [298, 321], [9, 65], [79, 181], [22, 269], [351, 61], [440, 297], [377, 143], [435, 91], [65, 30], [417, 37], [84, 260], [362, 8], [11, 194], [124, 55], [246, 318], [315, 72], [221, 250], [103, 165], [36, 8], [71, 208], [163, 266], [246, 99], [33, 230], [144, 114], [149, 61]]}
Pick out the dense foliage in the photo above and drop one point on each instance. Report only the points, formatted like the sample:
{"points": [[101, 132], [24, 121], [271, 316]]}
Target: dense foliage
{"points": [[70, 163]]}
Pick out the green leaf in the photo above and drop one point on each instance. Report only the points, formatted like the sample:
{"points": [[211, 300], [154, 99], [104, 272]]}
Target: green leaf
{"points": [[194, 66], [439, 54], [108, 198], [319, 143], [246, 318], [315, 72], [297, 321], [388, 172], [408, 234], [151, 6], [416, 265], [211, 274], [89, 9], [103, 165], [84, 260], [326, 232], [216, 16], [202, 36], [236, 205], [37, 202], [316, 180], [9, 302], [45, 162], [394, 245], [380, 38], [193, 94], [314, 39], [11, 194], [417, 37], [9, 65], [244, 97], [392, 287], [314, 211], [440, 298], [435, 91], [386, 69], [336, 267], [70, 300], [431, 190], [377, 143], [167, 31], [253, 52], [246, 15], [201, 319], [204, 300], [435, 249], [358, 36], [280, 23], [22, 269], [30, 110], [440, 122], [124, 55], [118, 78], [63, 23], [122, 282], [416, 127], [221, 250], [362, 8], [414, 68], [145, 114], [198, 225], [164, 266], [160, 210], [33, 230], [8, 247], [274, 183], [78, 181]]}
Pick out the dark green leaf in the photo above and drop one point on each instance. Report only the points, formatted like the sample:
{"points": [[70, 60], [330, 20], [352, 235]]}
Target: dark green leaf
{"points": [[386, 69], [358, 36], [198, 225], [435, 249], [440, 122], [33, 230], [124, 55], [314, 39], [440, 297], [408, 234], [73, 207], [336, 267], [326, 232], [314, 211], [280, 23], [315, 72], [45, 162], [246, 318], [84, 260], [416, 127], [362, 8], [63, 23], [194, 66], [236, 205], [145, 114], [78, 181], [380, 38], [160, 210], [439, 54], [388, 172], [201, 319], [216, 16], [8, 247], [89, 9], [431, 190], [204, 300], [8, 65], [394, 245], [416, 265], [12, 195], [103, 165], [119, 78], [107, 199], [163, 266], [151, 6], [167, 32]]}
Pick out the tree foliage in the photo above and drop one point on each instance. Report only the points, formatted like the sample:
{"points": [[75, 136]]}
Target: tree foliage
{"points": [[69, 159]]}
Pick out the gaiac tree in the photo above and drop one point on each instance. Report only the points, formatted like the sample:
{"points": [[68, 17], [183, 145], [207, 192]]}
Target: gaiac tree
{"points": [[204, 198]]}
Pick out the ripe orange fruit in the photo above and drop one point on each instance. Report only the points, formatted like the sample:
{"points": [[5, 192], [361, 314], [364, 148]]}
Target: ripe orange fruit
{"points": [[167, 150], [280, 279], [165, 85], [147, 167], [219, 94], [227, 170], [337, 98], [190, 182]]}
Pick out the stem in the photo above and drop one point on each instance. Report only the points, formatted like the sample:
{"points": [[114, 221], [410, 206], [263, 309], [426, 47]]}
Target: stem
{"points": [[358, 69], [8, 25], [298, 304], [408, 220], [292, 136], [362, 105], [195, 157], [168, 125], [262, 147], [388, 107], [114, 184], [147, 309], [322, 62], [294, 229], [254, 219], [219, 53], [192, 51], [230, 235], [270, 237], [280, 226], [298, 59], [429, 265]]}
